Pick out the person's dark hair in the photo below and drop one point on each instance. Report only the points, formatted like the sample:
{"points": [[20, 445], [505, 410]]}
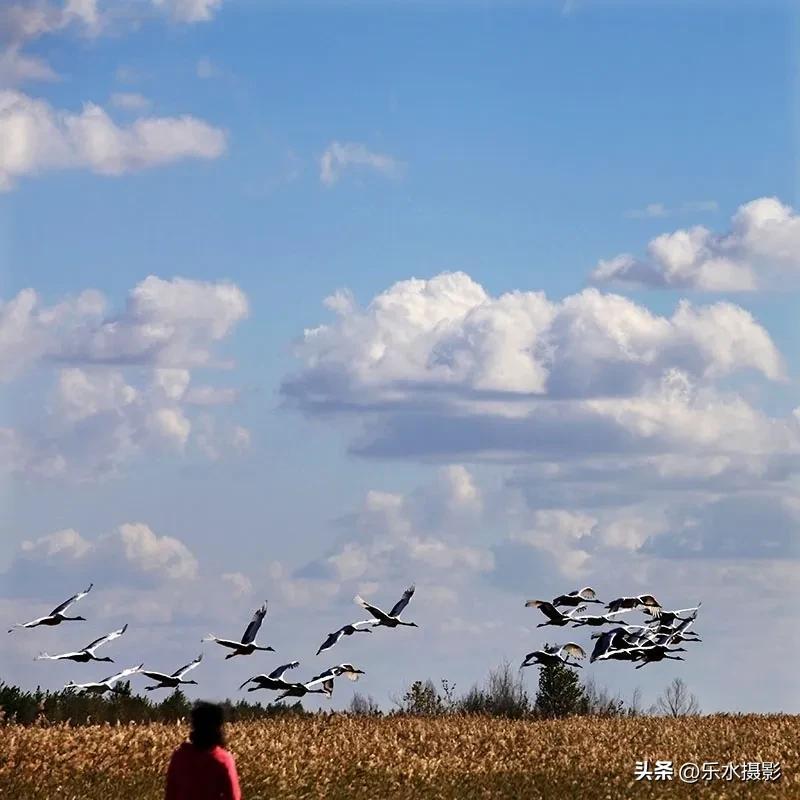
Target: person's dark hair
{"points": [[208, 720]]}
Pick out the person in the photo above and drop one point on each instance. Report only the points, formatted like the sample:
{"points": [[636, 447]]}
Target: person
{"points": [[202, 769]]}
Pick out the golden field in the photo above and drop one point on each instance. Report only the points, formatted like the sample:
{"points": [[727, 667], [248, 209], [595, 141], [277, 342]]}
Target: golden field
{"points": [[338, 756]]}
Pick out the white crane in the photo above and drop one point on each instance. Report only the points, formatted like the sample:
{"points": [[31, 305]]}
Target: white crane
{"points": [[348, 670], [553, 654], [105, 685], [274, 680], [247, 645], [554, 616], [174, 679], [364, 626], [87, 653], [302, 689], [671, 617], [646, 600], [596, 620], [56, 616], [392, 619], [576, 597]]}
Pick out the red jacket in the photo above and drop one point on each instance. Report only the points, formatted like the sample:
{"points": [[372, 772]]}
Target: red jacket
{"points": [[196, 774]]}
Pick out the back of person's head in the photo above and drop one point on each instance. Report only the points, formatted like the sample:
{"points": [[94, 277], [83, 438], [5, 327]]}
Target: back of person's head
{"points": [[208, 720]]}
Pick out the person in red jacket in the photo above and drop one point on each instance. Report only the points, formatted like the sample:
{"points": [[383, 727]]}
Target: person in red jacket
{"points": [[202, 769]]}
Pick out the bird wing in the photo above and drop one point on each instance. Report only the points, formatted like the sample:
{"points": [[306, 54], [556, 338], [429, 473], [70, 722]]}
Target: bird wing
{"points": [[123, 674], [224, 642], [251, 631], [575, 650], [74, 599], [277, 674], [90, 648], [548, 609], [587, 593], [398, 607], [578, 610], [156, 676], [179, 673], [648, 600], [48, 657], [381, 616], [331, 640]]}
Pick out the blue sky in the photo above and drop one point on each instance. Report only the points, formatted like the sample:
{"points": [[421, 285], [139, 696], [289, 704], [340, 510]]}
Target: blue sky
{"points": [[518, 145]]}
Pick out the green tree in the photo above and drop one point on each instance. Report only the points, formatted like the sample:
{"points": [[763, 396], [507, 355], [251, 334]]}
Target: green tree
{"points": [[560, 692]]}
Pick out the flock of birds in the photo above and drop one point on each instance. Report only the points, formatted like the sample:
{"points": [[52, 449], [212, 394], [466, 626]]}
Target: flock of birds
{"points": [[655, 640], [245, 646]]}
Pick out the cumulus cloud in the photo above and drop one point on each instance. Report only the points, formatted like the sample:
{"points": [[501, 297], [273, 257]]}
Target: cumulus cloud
{"points": [[423, 534], [123, 382], [131, 555], [760, 249], [440, 368], [166, 323], [37, 138], [341, 157]]}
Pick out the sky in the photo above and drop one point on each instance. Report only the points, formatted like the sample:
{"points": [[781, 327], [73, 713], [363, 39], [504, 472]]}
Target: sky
{"points": [[304, 300]]}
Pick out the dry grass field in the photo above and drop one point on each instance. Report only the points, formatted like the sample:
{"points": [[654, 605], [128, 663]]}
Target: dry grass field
{"points": [[405, 757]]}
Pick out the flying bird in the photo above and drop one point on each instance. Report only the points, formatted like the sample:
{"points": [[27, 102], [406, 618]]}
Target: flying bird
{"points": [[105, 685], [554, 616], [671, 617], [302, 689], [553, 654], [56, 616], [596, 620], [364, 626], [646, 600], [392, 619], [174, 679], [248, 644], [348, 670], [274, 680], [87, 653], [576, 597]]}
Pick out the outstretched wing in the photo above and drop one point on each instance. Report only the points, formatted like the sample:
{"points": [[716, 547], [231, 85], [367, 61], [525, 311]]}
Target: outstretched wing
{"points": [[277, 674], [587, 593], [374, 610], [179, 673], [156, 676], [103, 639], [252, 629], [74, 599], [398, 607], [548, 609], [124, 674], [331, 640], [575, 650]]}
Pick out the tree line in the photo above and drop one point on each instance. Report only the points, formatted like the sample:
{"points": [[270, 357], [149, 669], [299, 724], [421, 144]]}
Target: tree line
{"points": [[560, 693]]}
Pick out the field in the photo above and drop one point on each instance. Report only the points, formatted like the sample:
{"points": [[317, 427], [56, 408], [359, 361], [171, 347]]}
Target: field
{"points": [[409, 757]]}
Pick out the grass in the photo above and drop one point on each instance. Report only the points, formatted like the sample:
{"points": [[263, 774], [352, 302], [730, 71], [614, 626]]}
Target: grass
{"points": [[339, 756]]}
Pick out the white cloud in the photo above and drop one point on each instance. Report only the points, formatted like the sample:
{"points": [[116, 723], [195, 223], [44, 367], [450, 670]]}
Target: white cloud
{"points": [[127, 389], [658, 210], [130, 101], [341, 157], [189, 10], [446, 341], [133, 554], [760, 249], [205, 69], [166, 323], [37, 138]]}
